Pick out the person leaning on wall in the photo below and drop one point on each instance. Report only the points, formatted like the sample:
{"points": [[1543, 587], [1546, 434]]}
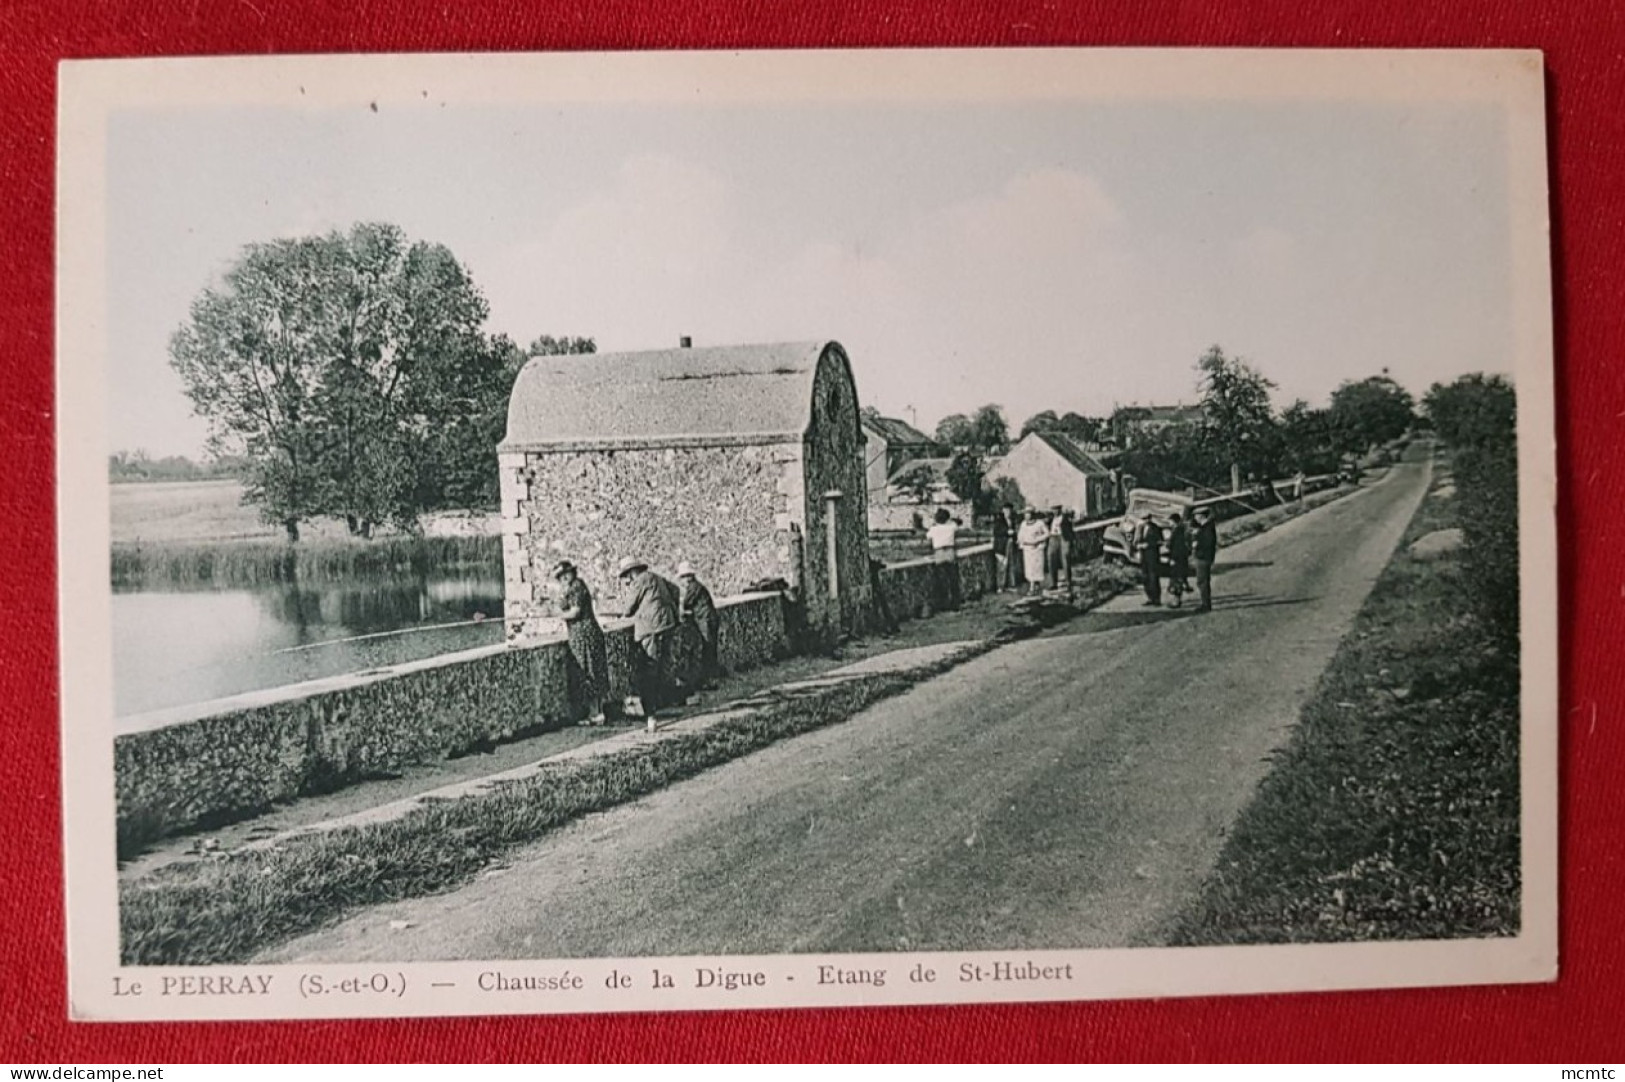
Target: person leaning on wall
{"points": [[653, 607], [696, 606], [589, 660]]}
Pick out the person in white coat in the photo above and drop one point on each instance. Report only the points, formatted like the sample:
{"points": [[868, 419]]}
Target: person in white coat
{"points": [[1032, 539]]}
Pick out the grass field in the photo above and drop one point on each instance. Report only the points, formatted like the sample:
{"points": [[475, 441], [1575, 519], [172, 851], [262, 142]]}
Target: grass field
{"points": [[1393, 813], [189, 511]]}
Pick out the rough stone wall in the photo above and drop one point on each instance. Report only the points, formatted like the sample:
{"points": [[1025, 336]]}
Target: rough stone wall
{"points": [[918, 588], [834, 462], [216, 762], [727, 510]]}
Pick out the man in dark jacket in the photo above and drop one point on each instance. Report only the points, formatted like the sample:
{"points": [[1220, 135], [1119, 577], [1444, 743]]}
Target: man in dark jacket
{"points": [[653, 606], [1148, 543], [1001, 549], [1204, 549], [695, 605]]}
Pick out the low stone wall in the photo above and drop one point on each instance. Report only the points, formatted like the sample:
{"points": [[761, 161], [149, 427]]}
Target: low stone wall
{"points": [[219, 761], [918, 588]]}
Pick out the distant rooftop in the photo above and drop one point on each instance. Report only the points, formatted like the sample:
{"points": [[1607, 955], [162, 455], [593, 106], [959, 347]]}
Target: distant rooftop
{"points": [[1163, 413], [896, 432]]}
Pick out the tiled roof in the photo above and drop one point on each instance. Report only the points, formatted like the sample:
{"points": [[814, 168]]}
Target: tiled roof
{"points": [[895, 432], [1072, 452]]}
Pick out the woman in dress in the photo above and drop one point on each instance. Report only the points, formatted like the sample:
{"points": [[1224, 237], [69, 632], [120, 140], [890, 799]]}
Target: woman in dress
{"points": [[586, 641], [1033, 537]]}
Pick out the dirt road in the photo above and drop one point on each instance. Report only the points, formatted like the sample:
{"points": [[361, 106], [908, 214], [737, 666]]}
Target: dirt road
{"points": [[1072, 790]]}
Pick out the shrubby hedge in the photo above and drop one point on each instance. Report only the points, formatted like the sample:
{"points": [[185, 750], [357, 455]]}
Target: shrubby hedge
{"points": [[1476, 416]]}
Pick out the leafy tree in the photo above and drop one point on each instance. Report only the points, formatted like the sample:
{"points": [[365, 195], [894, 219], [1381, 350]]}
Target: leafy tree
{"points": [[1005, 492], [334, 365], [548, 346], [1174, 458], [1368, 413], [965, 474], [917, 484], [1079, 427], [956, 430], [1473, 411], [991, 431], [1040, 422], [1306, 439], [1240, 426]]}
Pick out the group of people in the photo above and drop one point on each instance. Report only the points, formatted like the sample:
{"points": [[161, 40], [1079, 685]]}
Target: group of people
{"points": [[1036, 552], [1187, 546], [658, 608]]}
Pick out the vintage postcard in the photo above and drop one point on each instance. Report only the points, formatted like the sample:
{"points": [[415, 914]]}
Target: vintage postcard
{"points": [[631, 532]]}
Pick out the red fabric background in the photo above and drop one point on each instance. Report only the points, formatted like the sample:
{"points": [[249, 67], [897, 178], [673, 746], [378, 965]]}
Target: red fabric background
{"points": [[1580, 1018]]}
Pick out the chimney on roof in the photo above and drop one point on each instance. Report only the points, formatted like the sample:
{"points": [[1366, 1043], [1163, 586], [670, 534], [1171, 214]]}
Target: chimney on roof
{"points": [[685, 342]]}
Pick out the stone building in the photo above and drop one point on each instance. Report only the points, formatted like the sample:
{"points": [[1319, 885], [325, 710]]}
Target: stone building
{"points": [[746, 461], [892, 443], [1053, 469]]}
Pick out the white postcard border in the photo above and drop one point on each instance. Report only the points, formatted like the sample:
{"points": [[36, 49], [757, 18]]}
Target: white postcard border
{"points": [[101, 989]]}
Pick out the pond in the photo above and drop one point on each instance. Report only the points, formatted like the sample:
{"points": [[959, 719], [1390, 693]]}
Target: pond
{"points": [[173, 648]]}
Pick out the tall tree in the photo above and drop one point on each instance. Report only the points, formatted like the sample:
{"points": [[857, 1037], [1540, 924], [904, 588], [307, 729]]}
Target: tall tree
{"points": [[965, 474], [1240, 425], [1306, 439], [1474, 410], [991, 430], [1369, 412], [956, 430], [1080, 427], [334, 364]]}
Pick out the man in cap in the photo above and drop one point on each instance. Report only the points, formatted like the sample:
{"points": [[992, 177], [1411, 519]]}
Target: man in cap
{"points": [[695, 604], [1204, 549], [1148, 545], [1054, 552], [653, 607]]}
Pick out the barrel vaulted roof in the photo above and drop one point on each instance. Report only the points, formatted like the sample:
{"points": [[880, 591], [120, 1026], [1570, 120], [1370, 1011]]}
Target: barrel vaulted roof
{"points": [[719, 394]]}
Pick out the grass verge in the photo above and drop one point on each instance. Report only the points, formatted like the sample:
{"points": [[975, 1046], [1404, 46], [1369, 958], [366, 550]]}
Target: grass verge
{"points": [[229, 907], [1393, 812]]}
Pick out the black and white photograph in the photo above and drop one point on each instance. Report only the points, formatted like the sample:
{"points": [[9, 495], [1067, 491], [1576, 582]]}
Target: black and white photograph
{"points": [[621, 532]]}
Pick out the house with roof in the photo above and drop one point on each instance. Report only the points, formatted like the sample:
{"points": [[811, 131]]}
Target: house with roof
{"points": [[1132, 423], [891, 445], [745, 461], [1053, 469]]}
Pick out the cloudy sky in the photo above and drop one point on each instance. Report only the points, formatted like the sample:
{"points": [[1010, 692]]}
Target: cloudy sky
{"points": [[1039, 256]]}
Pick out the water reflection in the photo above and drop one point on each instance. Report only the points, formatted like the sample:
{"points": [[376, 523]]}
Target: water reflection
{"points": [[177, 647]]}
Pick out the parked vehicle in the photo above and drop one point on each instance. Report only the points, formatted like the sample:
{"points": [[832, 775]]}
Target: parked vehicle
{"points": [[1117, 539]]}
